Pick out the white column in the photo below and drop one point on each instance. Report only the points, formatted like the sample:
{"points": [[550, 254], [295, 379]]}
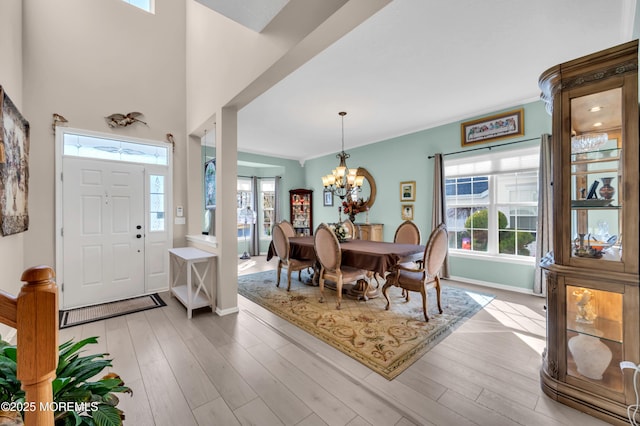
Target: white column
{"points": [[226, 220]]}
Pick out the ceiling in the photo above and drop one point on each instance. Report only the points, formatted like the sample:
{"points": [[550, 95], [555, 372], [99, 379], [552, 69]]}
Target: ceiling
{"points": [[418, 64]]}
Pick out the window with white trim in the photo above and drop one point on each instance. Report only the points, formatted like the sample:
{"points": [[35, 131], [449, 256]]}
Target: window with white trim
{"points": [[492, 203], [245, 208], [268, 197]]}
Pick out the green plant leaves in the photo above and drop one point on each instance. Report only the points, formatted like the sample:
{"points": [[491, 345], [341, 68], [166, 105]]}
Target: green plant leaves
{"points": [[95, 399]]}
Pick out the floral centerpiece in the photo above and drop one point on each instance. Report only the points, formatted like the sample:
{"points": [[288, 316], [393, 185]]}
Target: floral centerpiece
{"points": [[341, 232], [351, 208]]}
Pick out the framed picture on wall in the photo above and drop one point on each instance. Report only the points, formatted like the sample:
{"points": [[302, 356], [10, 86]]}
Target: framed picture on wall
{"points": [[327, 198], [14, 168], [408, 191], [499, 126], [407, 212]]}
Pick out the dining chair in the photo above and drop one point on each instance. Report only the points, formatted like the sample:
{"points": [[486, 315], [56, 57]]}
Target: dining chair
{"points": [[424, 276], [288, 228], [282, 247], [407, 233], [353, 229], [329, 256]]}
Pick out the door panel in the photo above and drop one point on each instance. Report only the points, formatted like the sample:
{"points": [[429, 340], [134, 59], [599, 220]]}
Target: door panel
{"points": [[103, 257]]}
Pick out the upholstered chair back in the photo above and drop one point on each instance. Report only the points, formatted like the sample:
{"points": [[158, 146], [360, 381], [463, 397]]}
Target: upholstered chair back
{"points": [[327, 248], [407, 233], [280, 242], [436, 250], [288, 229], [352, 229]]}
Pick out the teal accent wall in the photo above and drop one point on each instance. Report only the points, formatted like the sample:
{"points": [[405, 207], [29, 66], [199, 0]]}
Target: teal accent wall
{"points": [[395, 160], [405, 159]]}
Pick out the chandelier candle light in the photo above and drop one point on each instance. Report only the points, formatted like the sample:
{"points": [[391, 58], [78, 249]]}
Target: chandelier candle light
{"points": [[343, 182]]}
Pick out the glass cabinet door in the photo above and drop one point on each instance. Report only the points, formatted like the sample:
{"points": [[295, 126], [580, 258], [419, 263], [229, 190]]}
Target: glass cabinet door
{"points": [[595, 336], [596, 173]]}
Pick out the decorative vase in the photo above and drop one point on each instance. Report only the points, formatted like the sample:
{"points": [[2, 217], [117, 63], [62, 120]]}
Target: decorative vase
{"points": [[606, 191], [592, 357], [352, 218]]}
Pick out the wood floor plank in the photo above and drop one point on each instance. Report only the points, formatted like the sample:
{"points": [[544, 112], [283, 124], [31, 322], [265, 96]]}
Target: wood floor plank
{"points": [[330, 409], [359, 421], [236, 331], [405, 422], [257, 413], [424, 368], [144, 341], [216, 412], [428, 410], [137, 411], [167, 402], [422, 383], [476, 412], [564, 414], [231, 386], [120, 348], [312, 420], [514, 411], [356, 397], [266, 333], [193, 381], [284, 403]]}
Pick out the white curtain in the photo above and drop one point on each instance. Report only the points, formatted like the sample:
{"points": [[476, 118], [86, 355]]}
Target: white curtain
{"points": [[544, 243], [439, 205]]}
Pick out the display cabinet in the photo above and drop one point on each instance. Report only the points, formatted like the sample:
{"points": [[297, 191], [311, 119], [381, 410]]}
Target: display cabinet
{"points": [[301, 212], [592, 282]]}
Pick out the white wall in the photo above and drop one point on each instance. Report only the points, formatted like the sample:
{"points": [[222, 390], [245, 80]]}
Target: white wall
{"points": [[87, 60], [12, 246]]}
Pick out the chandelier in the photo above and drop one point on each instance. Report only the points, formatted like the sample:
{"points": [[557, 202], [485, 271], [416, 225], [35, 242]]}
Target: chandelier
{"points": [[342, 181]]}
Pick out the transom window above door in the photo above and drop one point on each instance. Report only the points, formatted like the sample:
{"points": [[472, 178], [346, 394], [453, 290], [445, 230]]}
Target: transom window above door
{"points": [[146, 5], [111, 149]]}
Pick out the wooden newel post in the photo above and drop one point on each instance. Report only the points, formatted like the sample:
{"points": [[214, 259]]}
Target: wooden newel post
{"points": [[37, 319]]}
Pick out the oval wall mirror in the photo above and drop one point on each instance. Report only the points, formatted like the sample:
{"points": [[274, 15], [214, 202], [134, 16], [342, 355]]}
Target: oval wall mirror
{"points": [[368, 187]]}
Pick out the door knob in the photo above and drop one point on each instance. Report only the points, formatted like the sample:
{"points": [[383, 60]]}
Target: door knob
{"points": [[138, 236]]}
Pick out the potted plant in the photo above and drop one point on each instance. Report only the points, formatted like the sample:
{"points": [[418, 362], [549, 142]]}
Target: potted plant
{"points": [[76, 399]]}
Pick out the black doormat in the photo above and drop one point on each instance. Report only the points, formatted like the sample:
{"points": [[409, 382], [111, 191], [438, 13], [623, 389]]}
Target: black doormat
{"points": [[77, 316]]}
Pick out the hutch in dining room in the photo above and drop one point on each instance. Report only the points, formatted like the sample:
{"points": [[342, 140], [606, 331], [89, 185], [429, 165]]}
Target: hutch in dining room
{"points": [[301, 211], [593, 323]]}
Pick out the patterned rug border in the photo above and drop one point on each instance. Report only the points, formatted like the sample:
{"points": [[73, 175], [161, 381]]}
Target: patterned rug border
{"points": [[63, 315], [391, 371]]}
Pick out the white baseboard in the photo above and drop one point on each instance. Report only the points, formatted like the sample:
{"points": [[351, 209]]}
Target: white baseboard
{"points": [[494, 285], [228, 311]]}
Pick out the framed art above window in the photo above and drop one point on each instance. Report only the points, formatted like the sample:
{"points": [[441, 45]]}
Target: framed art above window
{"points": [[499, 126]]}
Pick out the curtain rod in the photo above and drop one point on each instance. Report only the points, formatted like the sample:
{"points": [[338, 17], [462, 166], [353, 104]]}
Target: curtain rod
{"points": [[485, 147]]}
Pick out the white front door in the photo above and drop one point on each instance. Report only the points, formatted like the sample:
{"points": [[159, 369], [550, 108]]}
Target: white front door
{"points": [[103, 231]]}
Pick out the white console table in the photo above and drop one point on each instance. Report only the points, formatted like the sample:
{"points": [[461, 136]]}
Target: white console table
{"points": [[189, 258]]}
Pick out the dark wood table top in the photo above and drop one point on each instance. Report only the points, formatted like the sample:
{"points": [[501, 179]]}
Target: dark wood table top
{"points": [[376, 256]]}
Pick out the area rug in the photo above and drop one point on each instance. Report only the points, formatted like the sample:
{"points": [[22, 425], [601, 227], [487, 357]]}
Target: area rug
{"points": [[72, 317], [387, 342]]}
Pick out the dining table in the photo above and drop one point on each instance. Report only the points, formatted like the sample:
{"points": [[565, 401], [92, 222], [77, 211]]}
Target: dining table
{"points": [[378, 257]]}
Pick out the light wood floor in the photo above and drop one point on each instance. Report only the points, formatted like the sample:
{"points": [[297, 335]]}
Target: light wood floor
{"points": [[253, 368]]}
